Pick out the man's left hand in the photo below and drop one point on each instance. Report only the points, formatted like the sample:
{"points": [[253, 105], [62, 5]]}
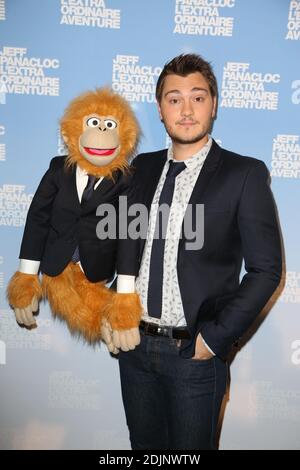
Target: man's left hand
{"points": [[201, 351]]}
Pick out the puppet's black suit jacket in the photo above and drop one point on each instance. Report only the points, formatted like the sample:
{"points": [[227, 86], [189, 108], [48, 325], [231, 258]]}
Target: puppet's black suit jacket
{"points": [[57, 223], [240, 222]]}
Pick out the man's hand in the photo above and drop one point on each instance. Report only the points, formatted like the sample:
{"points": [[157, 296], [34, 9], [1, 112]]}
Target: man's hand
{"points": [[201, 351]]}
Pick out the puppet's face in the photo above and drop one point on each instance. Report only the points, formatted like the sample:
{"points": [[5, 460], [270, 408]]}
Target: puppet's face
{"points": [[100, 131], [99, 142]]}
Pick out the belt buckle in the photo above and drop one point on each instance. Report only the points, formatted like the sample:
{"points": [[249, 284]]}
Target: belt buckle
{"points": [[161, 330], [164, 331], [156, 330]]}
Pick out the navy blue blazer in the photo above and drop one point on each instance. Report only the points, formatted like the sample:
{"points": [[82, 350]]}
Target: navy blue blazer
{"points": [[240, 222], [57, 223]]}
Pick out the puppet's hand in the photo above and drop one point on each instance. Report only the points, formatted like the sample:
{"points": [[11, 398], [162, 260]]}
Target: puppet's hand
{"points": [[24, 316], [126, 340], [107, 337], [23, 293], [124, 314]]}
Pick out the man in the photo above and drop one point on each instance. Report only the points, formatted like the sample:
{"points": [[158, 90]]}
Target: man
{"points": [[194, 307]]}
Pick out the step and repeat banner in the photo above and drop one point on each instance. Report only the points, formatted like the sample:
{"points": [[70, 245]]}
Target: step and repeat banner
{"points": [[57, 393]]}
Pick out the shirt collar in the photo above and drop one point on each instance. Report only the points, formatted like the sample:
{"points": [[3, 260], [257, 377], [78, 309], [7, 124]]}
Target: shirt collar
{"points": [[81, 171], [196, 159]]}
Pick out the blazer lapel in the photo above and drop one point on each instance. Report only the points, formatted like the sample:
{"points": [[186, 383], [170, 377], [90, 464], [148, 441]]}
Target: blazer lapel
{"points": [[153, 177], [206, 174], [104, 186], [151, 185], [71, 187], [208, 170], [209, 167]]}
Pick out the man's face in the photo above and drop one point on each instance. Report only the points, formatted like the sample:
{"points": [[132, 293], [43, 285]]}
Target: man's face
{"points": [[187, 107]]}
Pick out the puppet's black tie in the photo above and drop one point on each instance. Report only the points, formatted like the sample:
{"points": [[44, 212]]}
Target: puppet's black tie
{"points": [[86, 195]]}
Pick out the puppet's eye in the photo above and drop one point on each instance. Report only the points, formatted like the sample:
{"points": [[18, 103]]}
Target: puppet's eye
{"points": [[93, 122], [110, 124]]}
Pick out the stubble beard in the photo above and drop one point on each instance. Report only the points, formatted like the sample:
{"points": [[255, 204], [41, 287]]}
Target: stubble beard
{"points": [[188, 140]]}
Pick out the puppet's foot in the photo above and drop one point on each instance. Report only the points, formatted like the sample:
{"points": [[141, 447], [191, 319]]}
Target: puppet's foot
{"points": [[77, 301]]}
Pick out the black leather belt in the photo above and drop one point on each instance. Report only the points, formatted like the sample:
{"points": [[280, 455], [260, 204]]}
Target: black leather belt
{"points": [[169, 331]]}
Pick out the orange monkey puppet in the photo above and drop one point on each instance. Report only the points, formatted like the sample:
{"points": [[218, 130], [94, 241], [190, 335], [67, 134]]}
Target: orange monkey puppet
{"points": [[60, 239]]}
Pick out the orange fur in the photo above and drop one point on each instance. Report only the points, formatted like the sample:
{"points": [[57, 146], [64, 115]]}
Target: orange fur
{"points": [[77, 301], [22, 288], [124, 311], [102, 101]]}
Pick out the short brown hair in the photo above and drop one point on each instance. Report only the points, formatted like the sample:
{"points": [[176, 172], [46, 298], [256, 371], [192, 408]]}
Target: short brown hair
{"points": [[183, 65]]}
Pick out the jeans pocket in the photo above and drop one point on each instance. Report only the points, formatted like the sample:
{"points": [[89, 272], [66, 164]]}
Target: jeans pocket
{"points": [[203, 362]]}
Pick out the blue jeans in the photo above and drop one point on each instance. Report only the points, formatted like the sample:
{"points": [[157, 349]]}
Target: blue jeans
{"points": [[170, 402]]}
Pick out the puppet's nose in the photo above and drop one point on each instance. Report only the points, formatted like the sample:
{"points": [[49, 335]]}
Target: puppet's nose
{"points": [[100, 128]]}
